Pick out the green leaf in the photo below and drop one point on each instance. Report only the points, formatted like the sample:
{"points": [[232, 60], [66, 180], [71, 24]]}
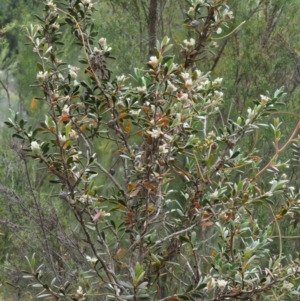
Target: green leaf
{"points": [[183, 297], [201, 286], [185, 239], [37, 285], [40, 67], [43, 296]]}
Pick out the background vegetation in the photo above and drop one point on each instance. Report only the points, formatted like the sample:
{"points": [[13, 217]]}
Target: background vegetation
{"points": [[255, 229]]}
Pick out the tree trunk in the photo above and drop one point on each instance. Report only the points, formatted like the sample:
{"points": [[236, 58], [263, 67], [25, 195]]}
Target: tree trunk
{"points": [[152, 22]]}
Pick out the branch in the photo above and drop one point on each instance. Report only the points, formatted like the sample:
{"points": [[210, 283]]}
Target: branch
{"points": [[7, 92], [278, 151]]}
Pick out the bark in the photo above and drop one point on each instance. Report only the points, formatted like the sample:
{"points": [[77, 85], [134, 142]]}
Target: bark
{"points": [[152, 26]]}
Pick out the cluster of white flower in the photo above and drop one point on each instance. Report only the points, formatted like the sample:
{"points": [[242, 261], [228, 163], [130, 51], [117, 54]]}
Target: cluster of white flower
{"points": [[88, 4], [135, 113], [80, 293], [184, 97], [218, 95], [217, 81], [41, 76], [228, 15], [92, 260], [171, 88], [190, 43], [102, 41], [163, 149], [153, 61], [103, 44], [155, 133], [55, 25], [194, 84], [66, 110], [74, 135], [121, 79], [220, 283], [51, 5], [142, 90], [191, 10], [35, 147], [264, 99], [73, 71], [62, 138]]}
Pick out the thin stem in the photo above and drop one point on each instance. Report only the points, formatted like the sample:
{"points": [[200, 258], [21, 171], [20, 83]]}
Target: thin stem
{"points": [[291, 139]]}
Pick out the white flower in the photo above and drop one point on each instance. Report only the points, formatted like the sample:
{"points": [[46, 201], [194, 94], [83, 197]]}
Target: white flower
{"points": [[86, 2], [215, 44], [189, 43], [121, 78], [264, 99], [184, 97], [199, 88], [62, 138], [102, 41], [153, 61], [73, 74], [218, 95], [135, 113], [155, 133], [191, 10], [120, 103], [219, 30], [65, 98], [178, 116], [206, 82], [96, 51], [189, 83], [198, 74], [185, 75], [171, 88], [73, 71], [73, 135], [142, 90], [65, 111], [42, 75], [163, 149], [92, 260], [79, 292], [222, 283], [51, 4], [35, 147], [283, 176], [55, 25], [229, 15], [214, 195], [217, 81]]}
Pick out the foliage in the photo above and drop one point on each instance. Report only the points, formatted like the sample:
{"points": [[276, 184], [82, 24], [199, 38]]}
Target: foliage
{"points": [[171, 218]]}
